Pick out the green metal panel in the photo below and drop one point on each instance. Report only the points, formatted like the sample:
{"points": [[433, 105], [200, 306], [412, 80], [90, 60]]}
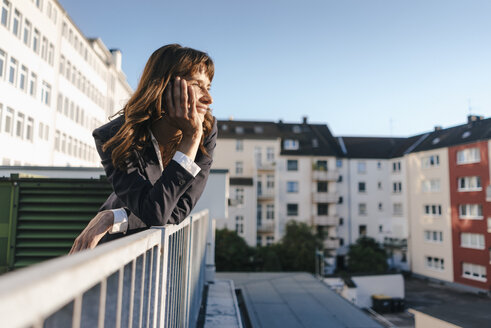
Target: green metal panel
{"points": [[45, 216]]}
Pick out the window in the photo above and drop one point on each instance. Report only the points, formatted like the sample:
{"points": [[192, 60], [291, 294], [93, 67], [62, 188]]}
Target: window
{"points": [[5, 13], [435, 263], [51, 51], [340, 178], [322, 186], [362, 209], [239, 224], [62, 65], [33, 82], [292, 209], [239, 145], [321, 165], [9, 121], [340, 200], [16, 23], [468, 156], [397, 187], [259, 214], [322, 209], [46, 93], [433, 210], [29, 129], [3, 59], [362, 167], [470, 183], [379, 165], [292, 165], [341, 221], [290, 144], [270, 154], [362, 230], [13, 71], [39, 4], [397, 209], [35, 41], [19, 125], [63, 143], [432, 185], [396, 167], [69, 145], [68, 72], [59, 103], [23, 78], [472, 240], [239, 166], [27, 33], [362, 187], [239, 195], [270, 211], [474, 271], [470, 211], [433, 236], [339, 163], [489, 224], [269, 240], [380, 228], [430, 161], [259, 241], [380, 207], [269, 181], [292, 186]]}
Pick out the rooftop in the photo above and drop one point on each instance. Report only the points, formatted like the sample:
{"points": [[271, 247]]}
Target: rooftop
{"points": [[295, 300]]}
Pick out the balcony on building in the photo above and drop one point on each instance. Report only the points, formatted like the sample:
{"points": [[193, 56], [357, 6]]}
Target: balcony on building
{"points": [[325, 197], [266, 226], [265, 194], [326, 220], [266, 166], [331, 243], [320, 173]]}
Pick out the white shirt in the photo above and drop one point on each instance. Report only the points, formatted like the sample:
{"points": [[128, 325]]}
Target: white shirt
{"points": [[120, 217]]}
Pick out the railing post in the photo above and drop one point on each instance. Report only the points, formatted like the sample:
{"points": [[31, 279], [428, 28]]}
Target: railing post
{"points": [[161, 294]]}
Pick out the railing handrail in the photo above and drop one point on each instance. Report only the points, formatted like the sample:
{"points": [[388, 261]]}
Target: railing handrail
{"points": [[30, 295]]}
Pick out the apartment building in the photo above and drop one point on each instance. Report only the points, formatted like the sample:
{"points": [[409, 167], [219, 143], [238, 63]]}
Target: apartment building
{"points": [[56, 85], [449, 230]]}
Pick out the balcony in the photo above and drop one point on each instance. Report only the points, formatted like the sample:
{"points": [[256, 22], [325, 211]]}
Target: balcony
{"points": [[320, 175], [325, 197], [153, 278], [266, 227], [265, 166], [267, 194], [331, 243], [322, 220]]}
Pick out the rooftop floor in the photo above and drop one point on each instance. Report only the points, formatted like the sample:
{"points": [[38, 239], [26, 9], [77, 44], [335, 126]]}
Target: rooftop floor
{"points": [[291, 300]]}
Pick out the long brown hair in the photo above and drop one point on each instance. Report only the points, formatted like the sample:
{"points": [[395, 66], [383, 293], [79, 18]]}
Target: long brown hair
{"points": [[146, 104]]}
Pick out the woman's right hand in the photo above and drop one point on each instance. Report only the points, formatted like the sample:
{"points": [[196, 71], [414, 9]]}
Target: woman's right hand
{"points": [[180, 104]]}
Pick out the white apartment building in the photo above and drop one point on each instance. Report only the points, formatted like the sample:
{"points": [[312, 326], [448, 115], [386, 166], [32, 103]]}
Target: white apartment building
{"points": [[56, 86]]}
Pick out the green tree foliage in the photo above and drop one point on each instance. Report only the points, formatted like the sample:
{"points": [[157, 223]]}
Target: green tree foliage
{"points": [[295, 252], [366, 256], [232, 252]]}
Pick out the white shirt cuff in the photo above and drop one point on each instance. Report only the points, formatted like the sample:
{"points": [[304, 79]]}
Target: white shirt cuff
{"points": [[187, 163], [120, 221]]}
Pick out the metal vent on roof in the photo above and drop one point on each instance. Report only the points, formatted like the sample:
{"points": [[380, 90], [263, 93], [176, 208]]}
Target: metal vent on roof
{"points": [[435, 141], [466, 134]]}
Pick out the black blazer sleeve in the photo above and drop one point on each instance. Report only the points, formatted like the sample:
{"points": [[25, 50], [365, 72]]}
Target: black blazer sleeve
{"points": [[171, 198]]}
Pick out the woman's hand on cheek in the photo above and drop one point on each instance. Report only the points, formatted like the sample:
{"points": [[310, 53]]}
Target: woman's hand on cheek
{"points": [[180, 104]]}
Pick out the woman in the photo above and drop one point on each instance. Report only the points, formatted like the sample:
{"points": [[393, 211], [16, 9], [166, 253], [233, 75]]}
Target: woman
{"points": [[158, 152]]}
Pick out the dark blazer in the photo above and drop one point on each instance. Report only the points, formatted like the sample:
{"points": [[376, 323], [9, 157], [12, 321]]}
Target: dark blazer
{"points": [[152, 197]]}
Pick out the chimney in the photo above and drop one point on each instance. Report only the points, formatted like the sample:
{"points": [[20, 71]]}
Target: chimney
{"points": [[304, 119], [438, 127], [117, 58], [280, 121], [474, 118]]}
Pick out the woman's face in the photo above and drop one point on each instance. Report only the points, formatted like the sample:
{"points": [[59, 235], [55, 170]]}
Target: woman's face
{"points": [[201, 84]]}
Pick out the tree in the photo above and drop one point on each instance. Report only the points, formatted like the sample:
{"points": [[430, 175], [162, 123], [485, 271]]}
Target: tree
{"points": [[296, 250], [366, 256], [231, 252]]}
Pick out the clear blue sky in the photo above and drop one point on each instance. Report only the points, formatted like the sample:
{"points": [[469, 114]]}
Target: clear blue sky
{"points": [[355, 65]]}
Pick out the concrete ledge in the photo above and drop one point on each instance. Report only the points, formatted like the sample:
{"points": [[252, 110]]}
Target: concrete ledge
{"points": [[222, 309]]}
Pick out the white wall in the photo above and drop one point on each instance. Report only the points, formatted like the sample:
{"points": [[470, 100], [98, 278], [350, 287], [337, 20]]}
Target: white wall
{"points": [[391, 285]]}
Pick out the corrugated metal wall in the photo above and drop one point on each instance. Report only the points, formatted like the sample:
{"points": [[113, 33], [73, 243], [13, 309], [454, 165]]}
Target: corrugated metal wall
{"points": [[45, 215]]}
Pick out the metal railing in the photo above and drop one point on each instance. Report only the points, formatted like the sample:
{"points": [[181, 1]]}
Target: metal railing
{"points": [[154, 278]]}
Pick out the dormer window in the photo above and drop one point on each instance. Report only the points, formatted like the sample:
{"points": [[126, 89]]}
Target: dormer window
{"points": [[258, 129], [290, 144], [315, 143], [296, 129], [239, 130]]}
